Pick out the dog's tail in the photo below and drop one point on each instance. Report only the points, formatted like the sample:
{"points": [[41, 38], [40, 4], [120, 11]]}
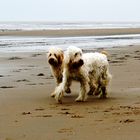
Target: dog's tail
{"points": [[105, 53]]}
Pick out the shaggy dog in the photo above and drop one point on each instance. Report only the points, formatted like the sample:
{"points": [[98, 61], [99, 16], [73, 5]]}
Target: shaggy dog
{"points": [[55, 59], [90, 69]]}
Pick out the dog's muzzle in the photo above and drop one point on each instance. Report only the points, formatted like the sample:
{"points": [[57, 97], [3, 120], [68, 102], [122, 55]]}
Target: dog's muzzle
{"points": [[77, 64], [52, 62]]}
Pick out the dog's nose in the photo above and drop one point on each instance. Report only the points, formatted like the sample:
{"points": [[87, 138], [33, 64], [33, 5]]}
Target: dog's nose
{"points": [[51, 61], [81, 62]]}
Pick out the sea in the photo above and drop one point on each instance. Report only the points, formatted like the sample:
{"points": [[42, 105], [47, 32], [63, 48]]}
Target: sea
{"points": [[41, 44]]}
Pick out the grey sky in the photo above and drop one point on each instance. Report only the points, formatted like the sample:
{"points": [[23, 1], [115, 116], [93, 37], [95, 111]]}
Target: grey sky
{"points": [[69, 10]]}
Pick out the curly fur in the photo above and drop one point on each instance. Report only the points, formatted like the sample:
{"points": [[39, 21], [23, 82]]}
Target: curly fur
{"points": [[90, 69], [55, 59]]}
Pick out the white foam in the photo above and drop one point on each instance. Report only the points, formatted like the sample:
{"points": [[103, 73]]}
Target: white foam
{"points": [[40, 44]]}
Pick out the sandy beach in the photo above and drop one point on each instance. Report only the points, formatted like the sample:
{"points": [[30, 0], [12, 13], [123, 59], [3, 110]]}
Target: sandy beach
{"points": [[29, 113]]}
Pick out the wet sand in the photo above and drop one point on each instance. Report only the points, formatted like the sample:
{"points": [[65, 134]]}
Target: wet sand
{"points": [[71, 32], [27, 112]]}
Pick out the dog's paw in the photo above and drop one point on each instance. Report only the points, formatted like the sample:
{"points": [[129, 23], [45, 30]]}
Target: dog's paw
{"points": [[58, 97], [90, 92], [52, 94], [68, 90], [98, 92], [80, 99], [103, 96]]}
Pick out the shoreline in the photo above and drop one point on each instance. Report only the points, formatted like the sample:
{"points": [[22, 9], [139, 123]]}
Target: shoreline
{"points": [[71, 32]]}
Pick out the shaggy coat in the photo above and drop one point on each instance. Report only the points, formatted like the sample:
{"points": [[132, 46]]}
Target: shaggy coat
{"points": [[90, 69], [55, 59]]}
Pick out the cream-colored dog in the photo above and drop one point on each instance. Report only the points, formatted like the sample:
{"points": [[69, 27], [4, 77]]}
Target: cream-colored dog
{"points": [[55, 59], [90, 69]]}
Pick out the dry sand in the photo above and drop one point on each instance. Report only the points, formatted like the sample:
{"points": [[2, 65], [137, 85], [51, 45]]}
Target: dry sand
{"points": [[27, 112]]}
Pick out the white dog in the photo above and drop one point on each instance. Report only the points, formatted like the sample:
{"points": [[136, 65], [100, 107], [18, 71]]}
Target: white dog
{"points": [[90, 69], [55, 59]]}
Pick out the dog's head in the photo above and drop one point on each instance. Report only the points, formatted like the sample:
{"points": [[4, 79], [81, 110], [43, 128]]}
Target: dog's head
{"points": [[73, 57], [55, 56]]}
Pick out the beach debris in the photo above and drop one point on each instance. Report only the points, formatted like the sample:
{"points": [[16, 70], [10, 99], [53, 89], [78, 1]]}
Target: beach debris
{"points": [[41, 83], [99, 120], [65, 109], [16, 121], [35, 55], [39, 109], [14, 58], [23, 80], [45, 116], [76, 116], [137, 51], [65, 113], [31, 84], [7, 87], [26, 113], [127, 55], [137, 57], [127, 121], [65, 130], [116, 61], [40, 74]]}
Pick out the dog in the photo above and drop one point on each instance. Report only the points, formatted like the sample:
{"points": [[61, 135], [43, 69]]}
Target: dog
{"points": [[90, 69], [99, 75], [55, 58]]}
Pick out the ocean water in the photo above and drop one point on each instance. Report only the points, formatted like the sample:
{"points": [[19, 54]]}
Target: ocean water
{"points": [[32, 44], [66, 25], [41, 44]]}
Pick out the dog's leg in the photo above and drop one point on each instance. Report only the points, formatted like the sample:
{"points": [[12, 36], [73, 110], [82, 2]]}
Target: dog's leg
{"points": [[53, 94], [103, 84], [97, 91], [104, 93], [92, 86], [67, 87], [83, 91], [59, 92], [98, 88], [58, 81]]}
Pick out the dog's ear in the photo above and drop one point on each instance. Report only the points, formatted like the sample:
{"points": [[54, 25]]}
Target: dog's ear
{"points": [[105, 53], [61, 58]]}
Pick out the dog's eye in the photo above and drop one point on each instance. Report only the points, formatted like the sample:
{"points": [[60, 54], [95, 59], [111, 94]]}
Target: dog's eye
{"points": [[55, 55], [76, 54], [50, 54]]}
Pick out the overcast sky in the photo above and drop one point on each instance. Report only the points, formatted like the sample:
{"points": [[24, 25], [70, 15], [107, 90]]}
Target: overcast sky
{"points": [[69, 10]]}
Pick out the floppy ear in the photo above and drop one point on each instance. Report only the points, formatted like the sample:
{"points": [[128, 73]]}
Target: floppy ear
{"points": [[61, 57], [105, 53]]}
